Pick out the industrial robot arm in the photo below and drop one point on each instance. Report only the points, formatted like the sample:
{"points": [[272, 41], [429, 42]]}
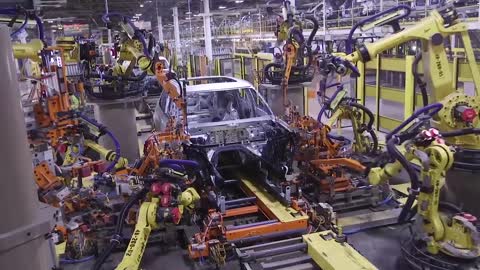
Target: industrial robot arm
{"points": [[432, 31], [146, 222], [133, 47], [106, 154], [452, 235], [343, 107], [150, 217], [175, 92]]}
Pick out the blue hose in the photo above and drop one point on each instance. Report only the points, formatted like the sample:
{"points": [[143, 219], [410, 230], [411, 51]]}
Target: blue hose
{"points": [[73, 261], [179, 162], [324, 107], [349, 42], [14, 11], [111, 135], [339, 138], [41, 31], [175, 167], [430, 110]]}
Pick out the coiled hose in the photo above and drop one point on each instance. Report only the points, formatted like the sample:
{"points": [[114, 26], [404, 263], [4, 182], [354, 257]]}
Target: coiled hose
{"points": [[269, 72]]}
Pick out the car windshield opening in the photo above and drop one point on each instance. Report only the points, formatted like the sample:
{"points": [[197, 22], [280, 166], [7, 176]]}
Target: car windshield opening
{"points": [[225, 105]]}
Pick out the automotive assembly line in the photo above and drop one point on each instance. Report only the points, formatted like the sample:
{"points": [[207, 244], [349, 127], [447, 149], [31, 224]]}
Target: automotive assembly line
{"points": [[275, 150]]}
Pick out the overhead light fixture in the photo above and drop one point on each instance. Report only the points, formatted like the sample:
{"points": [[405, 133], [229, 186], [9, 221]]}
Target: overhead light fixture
{"points": [[188, 18], [188, 13], [239, 1], [222, 7], [138, 14], [141, 5], [196, 15], [50, 21]]}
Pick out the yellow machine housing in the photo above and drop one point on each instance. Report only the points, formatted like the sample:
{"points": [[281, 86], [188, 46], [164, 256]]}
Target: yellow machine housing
{"points": [[432, 31]]}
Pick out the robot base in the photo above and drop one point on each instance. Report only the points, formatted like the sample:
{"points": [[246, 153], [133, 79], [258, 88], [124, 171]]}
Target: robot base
{"points": [[416, 256]]}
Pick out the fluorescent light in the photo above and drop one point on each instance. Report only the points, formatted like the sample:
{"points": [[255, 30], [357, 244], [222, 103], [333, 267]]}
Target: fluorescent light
{"points": [[222, 7], [141, 5], [196, 15], [138, 14], [239, 1], [188, 13], [50, 21]]}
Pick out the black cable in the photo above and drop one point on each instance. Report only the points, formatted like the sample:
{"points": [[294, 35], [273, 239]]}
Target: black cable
{"points": [[408, 211], [461, 132], [415, 183], [314, 29], [374, 140], [416, 79], [117, 235], [371, 117], [369, 129]]}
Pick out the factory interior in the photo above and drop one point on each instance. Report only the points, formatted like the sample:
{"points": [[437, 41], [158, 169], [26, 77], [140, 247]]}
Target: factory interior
{"points": [[240, 134]]}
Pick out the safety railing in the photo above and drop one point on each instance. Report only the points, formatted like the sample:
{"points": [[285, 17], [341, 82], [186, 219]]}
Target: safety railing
{"points": [[335, 20], [386, 86]]}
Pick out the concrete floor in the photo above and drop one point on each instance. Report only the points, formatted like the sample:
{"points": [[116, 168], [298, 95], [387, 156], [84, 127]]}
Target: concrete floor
{"points": [[381, 246]]}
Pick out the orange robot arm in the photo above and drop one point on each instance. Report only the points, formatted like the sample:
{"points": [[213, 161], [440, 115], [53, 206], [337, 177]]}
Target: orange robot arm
{"points": [[171, 89]]}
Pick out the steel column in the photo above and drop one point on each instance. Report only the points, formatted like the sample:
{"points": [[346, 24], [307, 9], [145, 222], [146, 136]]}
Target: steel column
{"points": [[22, 231], [176, 32], [377, 93], [207, 30], [160, 29], [324, 18], [109, 31], [409, 104], [108, 113]]}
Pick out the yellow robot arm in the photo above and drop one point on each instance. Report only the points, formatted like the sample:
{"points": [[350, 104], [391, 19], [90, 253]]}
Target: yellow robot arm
{"points": [[29, 50], [106, 154], [460, 110], [149, 217], [431, 31], [147, 221]]}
